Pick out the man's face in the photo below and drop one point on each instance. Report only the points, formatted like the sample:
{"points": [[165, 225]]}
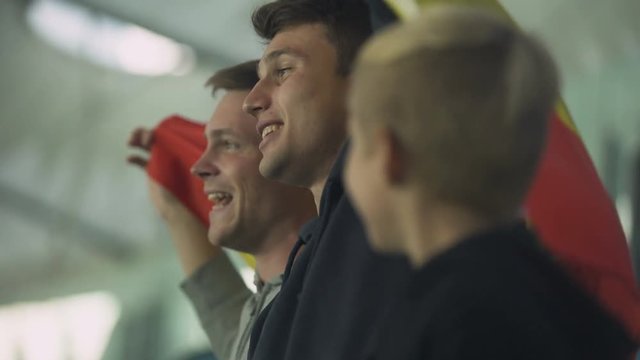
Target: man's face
{"points": [[300, 106], [245, 205]]}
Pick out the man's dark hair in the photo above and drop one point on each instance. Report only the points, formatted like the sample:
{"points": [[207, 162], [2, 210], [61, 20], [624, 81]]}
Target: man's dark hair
{"points": [[238, 77], [347, 23]]}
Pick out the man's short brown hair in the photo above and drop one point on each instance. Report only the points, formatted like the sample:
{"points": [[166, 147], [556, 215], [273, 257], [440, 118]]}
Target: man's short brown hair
{"points": [[243, 76], [347, 23], [468, 97]]}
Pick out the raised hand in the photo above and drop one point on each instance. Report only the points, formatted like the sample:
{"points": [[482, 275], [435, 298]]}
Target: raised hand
{"points": [[188, 234], [140, 138]]}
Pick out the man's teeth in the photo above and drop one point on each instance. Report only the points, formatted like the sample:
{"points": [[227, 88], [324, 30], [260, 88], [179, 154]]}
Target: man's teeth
{"points": [[269, 129], [219, 197]]}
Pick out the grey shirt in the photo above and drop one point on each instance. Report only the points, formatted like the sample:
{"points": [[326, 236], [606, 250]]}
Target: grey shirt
{"points": [[225, 307]]}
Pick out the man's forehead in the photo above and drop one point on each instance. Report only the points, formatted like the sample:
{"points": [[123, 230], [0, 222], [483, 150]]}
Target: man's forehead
{"points": [[220, 127], [298, 35], [295, 40]]}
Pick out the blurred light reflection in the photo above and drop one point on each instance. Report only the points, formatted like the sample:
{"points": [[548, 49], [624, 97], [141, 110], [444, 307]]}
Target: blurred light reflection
{"points": [[72, 328], [107, 41]]}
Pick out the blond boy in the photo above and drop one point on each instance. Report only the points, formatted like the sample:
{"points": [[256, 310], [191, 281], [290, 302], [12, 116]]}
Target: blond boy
{"points": [[448, 121]]}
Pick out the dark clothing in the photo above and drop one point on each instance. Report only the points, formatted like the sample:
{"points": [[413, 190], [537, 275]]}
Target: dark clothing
{"points": [[497, 295], [334, 291], [380, 14]]}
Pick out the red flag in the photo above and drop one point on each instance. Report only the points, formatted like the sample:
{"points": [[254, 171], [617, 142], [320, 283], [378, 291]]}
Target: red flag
{"points": [[177, 144], [571, 211]]}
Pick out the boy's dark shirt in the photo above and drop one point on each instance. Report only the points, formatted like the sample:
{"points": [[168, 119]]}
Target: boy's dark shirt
{"points": [[333, 292], [496, 295]]}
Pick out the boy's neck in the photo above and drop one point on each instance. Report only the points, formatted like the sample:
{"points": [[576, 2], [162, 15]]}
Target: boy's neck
{"points": [[429, 232]]}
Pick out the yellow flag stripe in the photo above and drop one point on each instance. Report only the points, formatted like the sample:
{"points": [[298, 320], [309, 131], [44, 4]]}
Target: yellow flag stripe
{"points": [[565, 117], [406, 9], [250, 260]]}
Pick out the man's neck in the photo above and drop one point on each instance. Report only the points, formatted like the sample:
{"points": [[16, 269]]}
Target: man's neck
{"points": [[271, 263], [271, 259], [317, 187]]}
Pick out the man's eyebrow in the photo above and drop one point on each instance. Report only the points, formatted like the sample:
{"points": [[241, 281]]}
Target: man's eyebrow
{"points": [[218, 133], [273, 55]]}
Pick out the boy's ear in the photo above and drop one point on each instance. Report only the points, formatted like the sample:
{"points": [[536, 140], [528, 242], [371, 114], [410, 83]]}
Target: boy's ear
{"points": [[393, 157]]}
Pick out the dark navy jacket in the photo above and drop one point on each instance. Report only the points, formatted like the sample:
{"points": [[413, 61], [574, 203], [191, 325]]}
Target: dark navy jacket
{"points": [[497, 295], [333, 292]]}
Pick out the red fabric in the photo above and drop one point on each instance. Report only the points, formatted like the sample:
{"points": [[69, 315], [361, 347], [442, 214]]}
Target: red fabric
{"points": [[177, 144], [571, 211]]}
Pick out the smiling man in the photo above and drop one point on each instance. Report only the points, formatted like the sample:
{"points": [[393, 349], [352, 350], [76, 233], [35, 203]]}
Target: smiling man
{"points": [[336, 287], [299, 103], [249, 213]]}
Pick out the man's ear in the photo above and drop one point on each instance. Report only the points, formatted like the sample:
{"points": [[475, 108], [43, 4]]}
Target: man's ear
{"points": [[393, 157]]}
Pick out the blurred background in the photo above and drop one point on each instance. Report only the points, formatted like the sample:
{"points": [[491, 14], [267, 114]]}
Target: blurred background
{"points": [[86, 268]]}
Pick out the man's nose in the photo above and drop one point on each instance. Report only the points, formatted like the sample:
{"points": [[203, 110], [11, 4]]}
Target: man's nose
{"points": [[204, 168], [256, 101]]}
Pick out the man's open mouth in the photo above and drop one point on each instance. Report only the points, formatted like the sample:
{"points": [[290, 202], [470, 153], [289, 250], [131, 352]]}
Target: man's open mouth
{"points": [[219, 198], [270, 129]]}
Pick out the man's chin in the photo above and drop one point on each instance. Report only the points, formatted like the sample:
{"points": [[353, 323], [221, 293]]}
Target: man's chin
{"points": [[219, 237], [271, 168]]}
